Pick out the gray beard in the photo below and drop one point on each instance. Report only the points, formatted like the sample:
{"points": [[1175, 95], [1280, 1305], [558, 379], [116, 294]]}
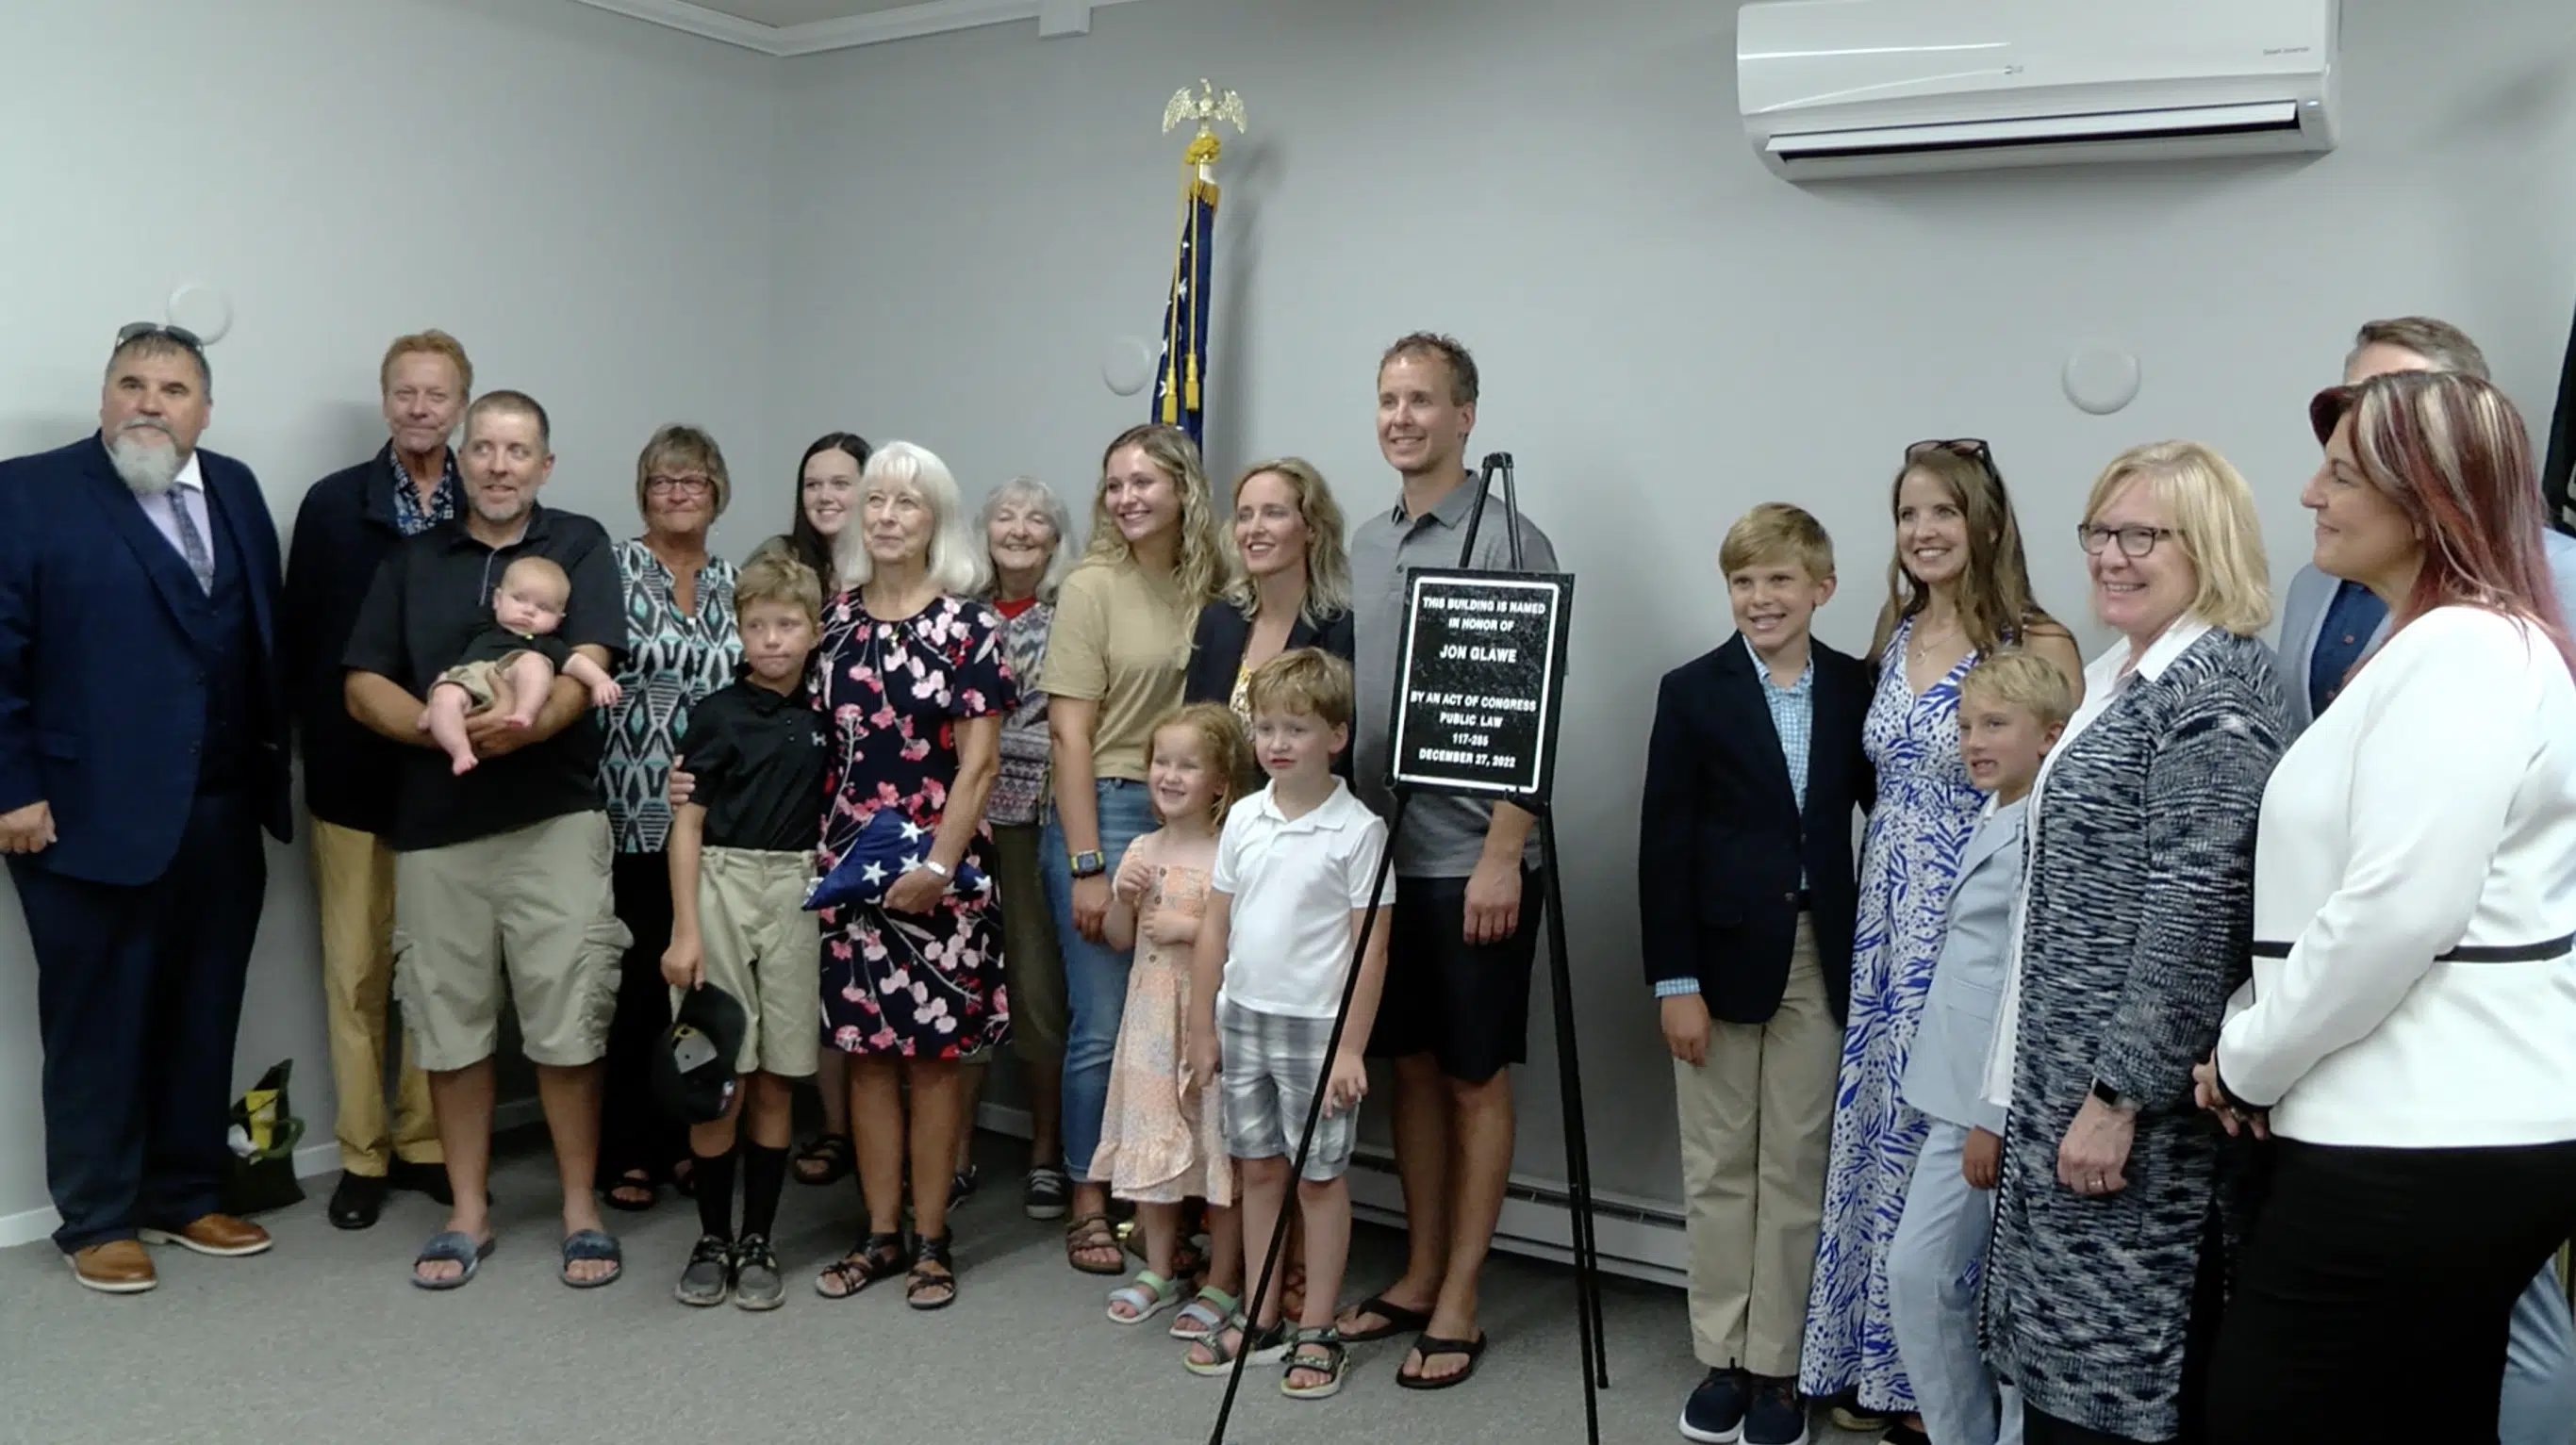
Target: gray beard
{"points": [[148, 470]]}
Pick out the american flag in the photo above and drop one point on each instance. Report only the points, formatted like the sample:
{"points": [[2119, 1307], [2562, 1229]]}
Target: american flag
{"points": [[1177, 395]]}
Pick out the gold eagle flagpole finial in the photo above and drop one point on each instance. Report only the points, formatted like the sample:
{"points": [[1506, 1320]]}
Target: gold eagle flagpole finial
{"points": [[1207, 108]]}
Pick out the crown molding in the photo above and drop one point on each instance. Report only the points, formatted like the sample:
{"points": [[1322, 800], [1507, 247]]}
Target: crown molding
{"points": [[931, 17]]}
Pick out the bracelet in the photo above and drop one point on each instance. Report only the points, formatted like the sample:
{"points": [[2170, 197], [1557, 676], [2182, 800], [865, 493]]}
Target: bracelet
{"points": [[935, 866]]}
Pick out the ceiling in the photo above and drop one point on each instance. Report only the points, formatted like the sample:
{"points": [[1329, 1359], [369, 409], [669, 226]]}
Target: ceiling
{"points": [[798, 12]]}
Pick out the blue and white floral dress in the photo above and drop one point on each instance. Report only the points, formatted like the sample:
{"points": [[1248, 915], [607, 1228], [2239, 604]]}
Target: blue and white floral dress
{"points": [[1909, 863]]}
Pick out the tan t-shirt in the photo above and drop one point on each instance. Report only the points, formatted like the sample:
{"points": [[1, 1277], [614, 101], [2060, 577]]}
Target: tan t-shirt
{"points": [[1121, 639]]}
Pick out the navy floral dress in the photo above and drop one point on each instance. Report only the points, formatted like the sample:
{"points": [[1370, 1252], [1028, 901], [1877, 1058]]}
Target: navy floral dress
{"points": [[923, 986]]}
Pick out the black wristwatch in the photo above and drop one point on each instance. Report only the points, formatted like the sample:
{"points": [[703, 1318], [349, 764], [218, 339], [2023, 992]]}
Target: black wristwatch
{"points": [[2112, 1096], [1089, 864]]}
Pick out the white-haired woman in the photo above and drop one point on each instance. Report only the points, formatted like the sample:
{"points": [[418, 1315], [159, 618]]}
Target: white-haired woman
{"points": [[912, 677], [1025, 528]]}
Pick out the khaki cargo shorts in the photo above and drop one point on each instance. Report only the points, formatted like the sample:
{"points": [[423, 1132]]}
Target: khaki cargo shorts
{"points": [[531, 905], [767, 951]]}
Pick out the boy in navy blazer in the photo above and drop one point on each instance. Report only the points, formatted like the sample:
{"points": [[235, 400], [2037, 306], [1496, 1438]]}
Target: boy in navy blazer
{"points": [[1747, 892], [2011, 708]]}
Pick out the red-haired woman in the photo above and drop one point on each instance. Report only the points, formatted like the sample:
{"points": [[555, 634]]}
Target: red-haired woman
{"points": [[2409, 1036]]}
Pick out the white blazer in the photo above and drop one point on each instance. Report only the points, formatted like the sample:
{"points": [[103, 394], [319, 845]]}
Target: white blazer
{"points": [[2414, 891]]}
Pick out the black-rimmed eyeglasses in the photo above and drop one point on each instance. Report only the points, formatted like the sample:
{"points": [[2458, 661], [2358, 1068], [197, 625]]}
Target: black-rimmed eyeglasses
{"points": [[2135, 542]]}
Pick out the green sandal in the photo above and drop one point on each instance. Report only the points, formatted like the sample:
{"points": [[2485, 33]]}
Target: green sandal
{"points": [[1208, 1310], [1300, 1356], [1148, 1295]]}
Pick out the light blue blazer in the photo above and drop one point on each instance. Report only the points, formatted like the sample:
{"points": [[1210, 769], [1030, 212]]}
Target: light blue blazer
{"points": [[1943, 1074], [2303, 617]]}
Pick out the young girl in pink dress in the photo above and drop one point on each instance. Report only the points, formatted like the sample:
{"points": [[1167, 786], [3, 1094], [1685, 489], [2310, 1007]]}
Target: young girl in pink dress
{"points": [[1162, 1142]]}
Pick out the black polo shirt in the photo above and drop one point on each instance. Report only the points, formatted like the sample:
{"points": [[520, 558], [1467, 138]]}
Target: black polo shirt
{"points": [[429, 599], [757, 757]]}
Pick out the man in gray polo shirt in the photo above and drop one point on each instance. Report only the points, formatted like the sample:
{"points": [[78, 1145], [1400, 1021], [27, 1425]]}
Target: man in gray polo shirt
{"points": [[1455, 1012]]}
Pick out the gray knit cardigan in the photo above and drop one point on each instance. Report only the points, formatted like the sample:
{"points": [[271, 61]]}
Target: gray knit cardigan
{"points": [[2141, 891]]}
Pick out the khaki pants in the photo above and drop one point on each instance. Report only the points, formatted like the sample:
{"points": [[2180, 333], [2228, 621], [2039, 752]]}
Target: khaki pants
{"points": [[533, 902], [353, 873], [1755, 1122], [761, 946]]}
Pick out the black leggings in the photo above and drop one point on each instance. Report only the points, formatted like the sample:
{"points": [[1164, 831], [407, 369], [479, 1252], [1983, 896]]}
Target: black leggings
{"points": [[2367, 1258], [634, 1131]]}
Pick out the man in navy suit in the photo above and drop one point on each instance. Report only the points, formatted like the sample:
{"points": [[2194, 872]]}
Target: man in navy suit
{"points": [[142, 748]]}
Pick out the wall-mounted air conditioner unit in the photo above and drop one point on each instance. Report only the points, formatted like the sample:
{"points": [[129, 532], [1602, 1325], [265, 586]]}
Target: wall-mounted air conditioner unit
{"points": [[1882, 87]]}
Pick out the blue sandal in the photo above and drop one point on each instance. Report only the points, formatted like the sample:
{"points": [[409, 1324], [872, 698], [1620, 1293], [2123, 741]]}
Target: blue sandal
{"points": [[589, 1244], [451, 1246]]}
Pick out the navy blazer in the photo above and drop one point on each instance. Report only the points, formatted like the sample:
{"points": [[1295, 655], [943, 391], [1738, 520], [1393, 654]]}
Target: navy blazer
{"points": [[1216, 655], [1721, 840], [102, 693], [343, 533]]}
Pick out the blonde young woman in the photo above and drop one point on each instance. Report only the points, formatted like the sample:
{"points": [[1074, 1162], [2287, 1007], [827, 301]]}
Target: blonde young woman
{"points": [[1957, 589], [1115, 661], [1295, 587]]}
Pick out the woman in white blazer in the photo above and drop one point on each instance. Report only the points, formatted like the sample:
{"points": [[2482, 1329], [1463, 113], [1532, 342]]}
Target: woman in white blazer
{"points": [[2409, 1035]]}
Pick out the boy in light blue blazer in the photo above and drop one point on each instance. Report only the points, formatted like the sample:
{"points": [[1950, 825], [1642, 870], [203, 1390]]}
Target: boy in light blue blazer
{"points": [[2011, 708]]}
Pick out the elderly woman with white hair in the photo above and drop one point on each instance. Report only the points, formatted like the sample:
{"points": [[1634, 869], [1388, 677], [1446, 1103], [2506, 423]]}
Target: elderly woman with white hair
{"points": [[1026, 529], [912, 678]]}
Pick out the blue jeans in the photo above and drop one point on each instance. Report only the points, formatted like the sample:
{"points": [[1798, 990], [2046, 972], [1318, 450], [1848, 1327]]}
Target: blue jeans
{"points": [[1095, 975], [2539, 1406]]}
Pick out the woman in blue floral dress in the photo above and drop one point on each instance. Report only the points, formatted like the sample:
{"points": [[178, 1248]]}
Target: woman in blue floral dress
{"points": [[1957, 590], [915, 685]]}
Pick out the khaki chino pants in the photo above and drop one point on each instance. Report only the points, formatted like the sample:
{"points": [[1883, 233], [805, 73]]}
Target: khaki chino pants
{"points": [[1755, 1122], [353, 875]]}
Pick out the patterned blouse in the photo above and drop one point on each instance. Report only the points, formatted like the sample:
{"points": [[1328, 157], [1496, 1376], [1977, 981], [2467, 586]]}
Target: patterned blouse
{"points": [[672, 660], [1019, 791]]}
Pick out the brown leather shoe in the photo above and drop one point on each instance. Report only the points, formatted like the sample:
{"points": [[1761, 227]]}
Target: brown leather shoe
{"points": [[119, 1266], [215, 1234]]}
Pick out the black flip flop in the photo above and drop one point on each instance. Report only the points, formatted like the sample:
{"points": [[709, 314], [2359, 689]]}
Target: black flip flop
{"points": [[632, 1179], [1399, 1321], [1426, 1346]]}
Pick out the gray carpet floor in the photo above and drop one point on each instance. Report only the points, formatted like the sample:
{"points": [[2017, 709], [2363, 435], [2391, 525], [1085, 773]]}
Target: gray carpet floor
{"points": [[323, 1340]]}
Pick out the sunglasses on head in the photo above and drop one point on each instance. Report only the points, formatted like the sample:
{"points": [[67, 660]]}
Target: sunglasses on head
{"points": [[1973, 448], [136, 330]]}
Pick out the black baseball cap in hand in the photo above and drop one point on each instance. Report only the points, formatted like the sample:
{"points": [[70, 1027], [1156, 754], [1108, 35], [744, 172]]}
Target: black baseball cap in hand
{"points": [[693, 1069]]}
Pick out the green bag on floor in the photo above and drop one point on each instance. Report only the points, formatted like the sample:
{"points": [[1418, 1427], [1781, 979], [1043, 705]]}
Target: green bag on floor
{"points": [[259, 1167]]}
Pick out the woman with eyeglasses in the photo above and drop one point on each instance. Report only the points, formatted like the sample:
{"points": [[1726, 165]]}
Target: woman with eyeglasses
{"points": [[1957, 590], [680, 647], [2137, 896], [2408, 1038]]}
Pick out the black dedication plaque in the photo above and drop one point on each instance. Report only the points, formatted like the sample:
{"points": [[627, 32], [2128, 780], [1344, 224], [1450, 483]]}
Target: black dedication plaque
{"points": [[1479, 681]]}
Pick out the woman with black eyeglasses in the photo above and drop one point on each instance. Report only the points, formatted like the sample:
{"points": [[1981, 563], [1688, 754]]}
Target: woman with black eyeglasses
{"points": [[1957, 590], [2137, 899], [680, 647]]}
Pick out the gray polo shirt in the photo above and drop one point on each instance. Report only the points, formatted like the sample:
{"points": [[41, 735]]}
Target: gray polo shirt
{"points": [[1442, 835]]}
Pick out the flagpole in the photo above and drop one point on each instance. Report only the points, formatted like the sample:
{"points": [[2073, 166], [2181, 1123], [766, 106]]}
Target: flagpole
{"points": [[1179, 390]]}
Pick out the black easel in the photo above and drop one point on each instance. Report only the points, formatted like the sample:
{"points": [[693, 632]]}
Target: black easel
{"points": [[1593, 1348]]}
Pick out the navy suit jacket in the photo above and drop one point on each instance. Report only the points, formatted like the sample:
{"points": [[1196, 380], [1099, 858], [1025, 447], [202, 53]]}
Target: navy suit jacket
{"points": [[1722, 840], [102, 681]]}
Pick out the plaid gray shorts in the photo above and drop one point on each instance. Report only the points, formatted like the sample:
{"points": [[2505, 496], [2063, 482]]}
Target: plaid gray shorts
{"points": [[1272, 1065]]}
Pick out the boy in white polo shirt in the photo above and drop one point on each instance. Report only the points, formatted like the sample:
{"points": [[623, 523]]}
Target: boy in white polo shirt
{"points": [[1287, 901]]}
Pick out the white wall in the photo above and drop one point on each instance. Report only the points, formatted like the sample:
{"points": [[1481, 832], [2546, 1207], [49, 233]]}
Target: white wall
{"points": [[1667, 333], [937, 239], [583, 200]]}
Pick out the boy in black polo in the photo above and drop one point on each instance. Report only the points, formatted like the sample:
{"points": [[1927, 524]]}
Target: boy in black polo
{"points": [[742, 858]]}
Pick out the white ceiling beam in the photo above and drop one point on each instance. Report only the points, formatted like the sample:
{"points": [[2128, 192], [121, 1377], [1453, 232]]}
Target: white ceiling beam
{"points": [[931, 17]]}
